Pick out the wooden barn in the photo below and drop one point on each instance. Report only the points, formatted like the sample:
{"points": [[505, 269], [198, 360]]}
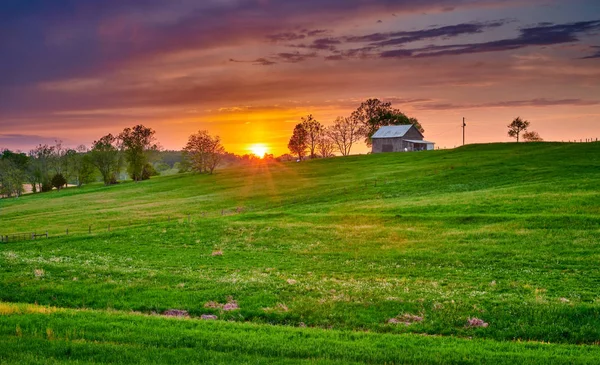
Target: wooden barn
{"points": [[400, 138]]}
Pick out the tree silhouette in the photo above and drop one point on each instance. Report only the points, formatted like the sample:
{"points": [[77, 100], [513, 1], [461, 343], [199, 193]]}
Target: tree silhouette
{"points": [[517, 126], [344, 133], [313, 130], [299, 141], [532, 136], [204, 152]]}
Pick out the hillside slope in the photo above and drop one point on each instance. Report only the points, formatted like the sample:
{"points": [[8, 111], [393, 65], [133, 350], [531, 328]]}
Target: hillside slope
{"points": [[416, 243]]}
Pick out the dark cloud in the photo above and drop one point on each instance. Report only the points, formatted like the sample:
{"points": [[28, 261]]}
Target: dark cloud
{"points": [[295, 57], [402, 37], [51, 40], [544, 35], [595, 55], [258, 61], [511, 104]]}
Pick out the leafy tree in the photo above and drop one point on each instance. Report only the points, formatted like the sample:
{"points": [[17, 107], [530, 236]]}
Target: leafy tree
{"points": [[204, 152], [517, 126], [12, 173], [344, 133], [374, 114], [313, 130], [148, 171], [299, 142], [78, 166], [532, 136], [325, 144], [58, 181], [137, 143], [40, 165], [105, 156]]}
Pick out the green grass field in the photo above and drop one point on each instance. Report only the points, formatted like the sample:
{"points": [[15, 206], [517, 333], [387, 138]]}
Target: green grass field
{"points": [[318, 256]]}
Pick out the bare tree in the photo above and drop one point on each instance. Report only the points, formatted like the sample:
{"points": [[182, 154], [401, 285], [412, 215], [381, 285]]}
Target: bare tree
{"points": [[325, 145], [313, 130], [532, 136], [204, 151], [517, 126], [344, 133]]}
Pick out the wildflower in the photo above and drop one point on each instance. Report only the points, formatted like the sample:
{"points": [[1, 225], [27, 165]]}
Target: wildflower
{"points": [[231, 306], [175, 313], [208, 317], [476, 322], [217, 253], [291, 281]]}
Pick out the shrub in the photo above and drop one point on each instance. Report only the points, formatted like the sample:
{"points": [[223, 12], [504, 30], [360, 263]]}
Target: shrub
{"points": [[58, 181]]}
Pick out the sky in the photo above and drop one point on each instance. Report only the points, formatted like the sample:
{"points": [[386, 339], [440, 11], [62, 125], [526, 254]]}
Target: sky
{"points": [[248, 70]]}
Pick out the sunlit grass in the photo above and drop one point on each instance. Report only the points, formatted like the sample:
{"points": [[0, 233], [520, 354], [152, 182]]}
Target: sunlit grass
{"points": [[502, 234]]}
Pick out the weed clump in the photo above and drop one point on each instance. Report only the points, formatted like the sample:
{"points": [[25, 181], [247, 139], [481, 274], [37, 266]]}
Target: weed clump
{"points": [[476, 322], [406, 319], [176, 313]]}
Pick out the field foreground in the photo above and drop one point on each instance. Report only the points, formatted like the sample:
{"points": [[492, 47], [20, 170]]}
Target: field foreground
{"points": [[487, 253]]}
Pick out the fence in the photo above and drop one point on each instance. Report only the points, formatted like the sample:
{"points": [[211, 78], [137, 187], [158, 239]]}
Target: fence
{"points": [[21, 237]]}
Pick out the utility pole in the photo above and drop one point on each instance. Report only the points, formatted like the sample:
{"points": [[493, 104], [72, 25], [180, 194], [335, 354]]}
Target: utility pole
{"points": [[463, 127]]}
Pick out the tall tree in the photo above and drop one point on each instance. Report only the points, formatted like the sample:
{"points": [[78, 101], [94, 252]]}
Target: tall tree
{"points": [[298, 143], [344, 133], [532, 136], [313, 130], [374, 114], [517, 126], [80, 169], [325, 145], [204, 152], [41, 165], [137, 143], [105, 156], [12, 173]]}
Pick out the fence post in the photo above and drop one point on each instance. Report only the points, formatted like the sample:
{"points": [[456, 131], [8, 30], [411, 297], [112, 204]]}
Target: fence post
{"points": [[46, 234]]}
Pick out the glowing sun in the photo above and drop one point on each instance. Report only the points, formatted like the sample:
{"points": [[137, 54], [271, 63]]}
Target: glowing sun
{"points": [[258, 149]]}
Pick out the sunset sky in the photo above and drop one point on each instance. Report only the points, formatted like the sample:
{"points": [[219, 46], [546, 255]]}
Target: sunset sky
{"points": [[247, 70]]}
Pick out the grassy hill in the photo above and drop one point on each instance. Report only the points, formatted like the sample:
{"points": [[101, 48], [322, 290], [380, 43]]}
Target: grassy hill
{"points": [[504, 233]]}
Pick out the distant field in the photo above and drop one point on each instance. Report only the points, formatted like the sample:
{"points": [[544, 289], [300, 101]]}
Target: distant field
{"points": [[504, 233]]}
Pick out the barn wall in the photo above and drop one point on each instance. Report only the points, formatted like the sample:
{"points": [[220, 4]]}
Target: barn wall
{"points": [[396, 143]]}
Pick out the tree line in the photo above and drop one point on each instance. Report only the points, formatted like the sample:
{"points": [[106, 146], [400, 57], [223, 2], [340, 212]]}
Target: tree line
{"points": [[49, 167], [54, 166], [312, 139]]}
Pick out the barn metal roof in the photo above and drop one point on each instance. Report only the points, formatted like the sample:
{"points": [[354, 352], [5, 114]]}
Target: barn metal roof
{"points": [[392, 131], [418, 141]]}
